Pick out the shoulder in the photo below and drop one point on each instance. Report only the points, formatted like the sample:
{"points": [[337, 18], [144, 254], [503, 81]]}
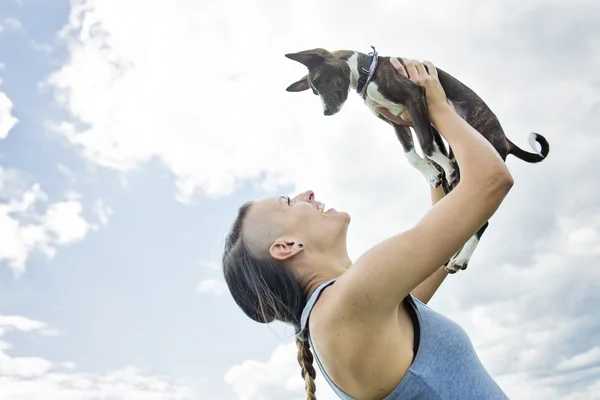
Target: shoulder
{"points": [[360, 356]]}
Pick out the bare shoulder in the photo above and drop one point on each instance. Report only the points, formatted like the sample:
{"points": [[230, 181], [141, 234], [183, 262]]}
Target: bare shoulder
{"points": [[366, 358]]}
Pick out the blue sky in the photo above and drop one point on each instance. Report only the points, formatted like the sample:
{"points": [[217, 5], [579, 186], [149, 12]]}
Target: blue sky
{"points": [[142, 126], [90, 290]]}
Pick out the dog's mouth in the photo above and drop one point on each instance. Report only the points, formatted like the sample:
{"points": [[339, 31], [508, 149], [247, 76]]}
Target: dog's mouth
{"points": [[328, 111], [331, 104]]}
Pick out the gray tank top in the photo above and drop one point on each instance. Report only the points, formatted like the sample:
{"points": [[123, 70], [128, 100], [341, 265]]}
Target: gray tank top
{"points": [[445, 366]]}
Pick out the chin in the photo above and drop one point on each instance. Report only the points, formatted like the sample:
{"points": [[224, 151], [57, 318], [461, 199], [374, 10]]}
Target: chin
{"points": [[343, 216], [328, 111], [348, 218], [332, 108]]}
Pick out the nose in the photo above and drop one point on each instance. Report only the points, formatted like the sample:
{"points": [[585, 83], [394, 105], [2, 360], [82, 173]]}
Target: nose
{"points": [[307, 196]]}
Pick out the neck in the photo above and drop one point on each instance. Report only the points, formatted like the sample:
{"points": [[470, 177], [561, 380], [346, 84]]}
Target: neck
{"points": [[353, 62], [329, 266]]}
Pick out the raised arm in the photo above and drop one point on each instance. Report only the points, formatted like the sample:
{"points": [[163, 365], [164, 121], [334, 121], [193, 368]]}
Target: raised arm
{"points": [[386, 273], [426, 289]]}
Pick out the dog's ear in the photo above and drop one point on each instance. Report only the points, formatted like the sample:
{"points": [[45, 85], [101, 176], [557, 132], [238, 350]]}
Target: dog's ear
{"points": [[309, 58], [299, 86]]}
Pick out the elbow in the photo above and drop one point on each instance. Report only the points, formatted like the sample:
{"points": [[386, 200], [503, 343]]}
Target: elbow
{"points": [[496, 182], [504, 179], [500, 182]]}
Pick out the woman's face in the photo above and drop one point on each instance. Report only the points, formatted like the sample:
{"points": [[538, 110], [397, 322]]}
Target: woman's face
{"points": [[301, 219]]}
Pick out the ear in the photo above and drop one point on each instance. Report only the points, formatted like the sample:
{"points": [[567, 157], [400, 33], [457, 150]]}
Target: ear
{"points": [[309, 58], [284, 249], [299, 86]]}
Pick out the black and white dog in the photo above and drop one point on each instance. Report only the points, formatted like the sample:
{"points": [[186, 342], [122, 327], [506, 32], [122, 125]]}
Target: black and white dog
{"points": [[332, 75]]}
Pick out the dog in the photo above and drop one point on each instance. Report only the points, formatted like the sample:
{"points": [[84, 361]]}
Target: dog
{"points": [[333, 75]]}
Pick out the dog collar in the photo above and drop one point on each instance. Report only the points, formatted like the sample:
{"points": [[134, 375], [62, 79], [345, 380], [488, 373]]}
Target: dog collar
{"points": [[365, 75]]}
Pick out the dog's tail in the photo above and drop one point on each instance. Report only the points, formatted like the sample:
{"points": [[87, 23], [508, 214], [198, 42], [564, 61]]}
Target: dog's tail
{"points": [[526, 156]]}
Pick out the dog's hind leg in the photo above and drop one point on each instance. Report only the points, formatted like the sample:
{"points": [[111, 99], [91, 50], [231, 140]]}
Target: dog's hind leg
{"points": [[461, 260], [429, 171]]}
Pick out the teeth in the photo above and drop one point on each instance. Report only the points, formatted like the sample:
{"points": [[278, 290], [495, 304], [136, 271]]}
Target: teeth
{"points": [[321, 207]]}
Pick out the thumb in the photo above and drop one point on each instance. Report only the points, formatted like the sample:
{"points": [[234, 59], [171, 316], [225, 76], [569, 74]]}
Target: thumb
{"points": [[385, 112], [394, 119]]}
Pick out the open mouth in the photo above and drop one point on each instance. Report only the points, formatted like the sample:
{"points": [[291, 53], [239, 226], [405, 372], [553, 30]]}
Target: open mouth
{"points": [[321, 207]]}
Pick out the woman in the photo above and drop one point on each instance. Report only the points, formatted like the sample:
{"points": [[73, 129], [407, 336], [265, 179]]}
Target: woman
{"points": [[369, 328]]}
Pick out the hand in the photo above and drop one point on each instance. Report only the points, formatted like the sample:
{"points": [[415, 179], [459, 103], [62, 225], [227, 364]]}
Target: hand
{"points": [[425, 77]]}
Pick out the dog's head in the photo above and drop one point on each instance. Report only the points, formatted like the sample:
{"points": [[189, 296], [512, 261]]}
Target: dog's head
{"points": [[328, 77]]}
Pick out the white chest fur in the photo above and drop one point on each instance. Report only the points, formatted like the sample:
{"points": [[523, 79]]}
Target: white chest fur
{"points": [[375, 99]]}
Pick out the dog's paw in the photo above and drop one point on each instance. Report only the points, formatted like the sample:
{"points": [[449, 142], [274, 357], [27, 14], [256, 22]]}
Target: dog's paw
{"points": [[461, 260], [452, 177], [455, 265], [433, 176], [435, 181], [450, 168]]}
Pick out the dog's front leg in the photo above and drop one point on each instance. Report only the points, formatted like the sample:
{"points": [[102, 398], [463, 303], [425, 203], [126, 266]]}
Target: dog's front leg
{"points": [[429, 171], [417, 107], [461, 260]]}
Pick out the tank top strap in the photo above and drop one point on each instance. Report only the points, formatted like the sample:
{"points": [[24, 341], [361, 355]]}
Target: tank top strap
{"points": [[310, 303]]}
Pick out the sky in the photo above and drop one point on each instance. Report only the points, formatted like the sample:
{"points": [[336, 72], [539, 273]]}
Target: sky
{"points": [[131, 131]]}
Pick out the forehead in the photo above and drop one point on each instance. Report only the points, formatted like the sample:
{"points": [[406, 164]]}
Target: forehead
{"points": [[324, 70], [264, 207], [263, 221]]}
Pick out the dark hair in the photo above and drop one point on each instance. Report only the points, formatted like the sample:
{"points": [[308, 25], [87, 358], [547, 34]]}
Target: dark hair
{"points": [[266, 291]]}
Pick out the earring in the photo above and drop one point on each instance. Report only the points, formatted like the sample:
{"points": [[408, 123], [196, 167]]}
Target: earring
{"points": [[300, 245]]}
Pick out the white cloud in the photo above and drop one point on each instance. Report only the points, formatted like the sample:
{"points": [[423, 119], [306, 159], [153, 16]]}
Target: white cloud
{"points": [[204, 95], [64, 219], [10, 24], [102, 211], [19, 323], [7, 119], [277, 378], [24, 228], [35, 378], [67, 172], [211, 286], [210, 264], [194, 106], [41, 47], [588, 358]]}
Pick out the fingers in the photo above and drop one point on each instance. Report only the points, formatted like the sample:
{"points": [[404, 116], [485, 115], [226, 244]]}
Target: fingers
{"points": [[411, 68], [415, 70], [405, 115], [421, 69], [399, 67], [404, 118], [385, 112], [431, 68]]}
